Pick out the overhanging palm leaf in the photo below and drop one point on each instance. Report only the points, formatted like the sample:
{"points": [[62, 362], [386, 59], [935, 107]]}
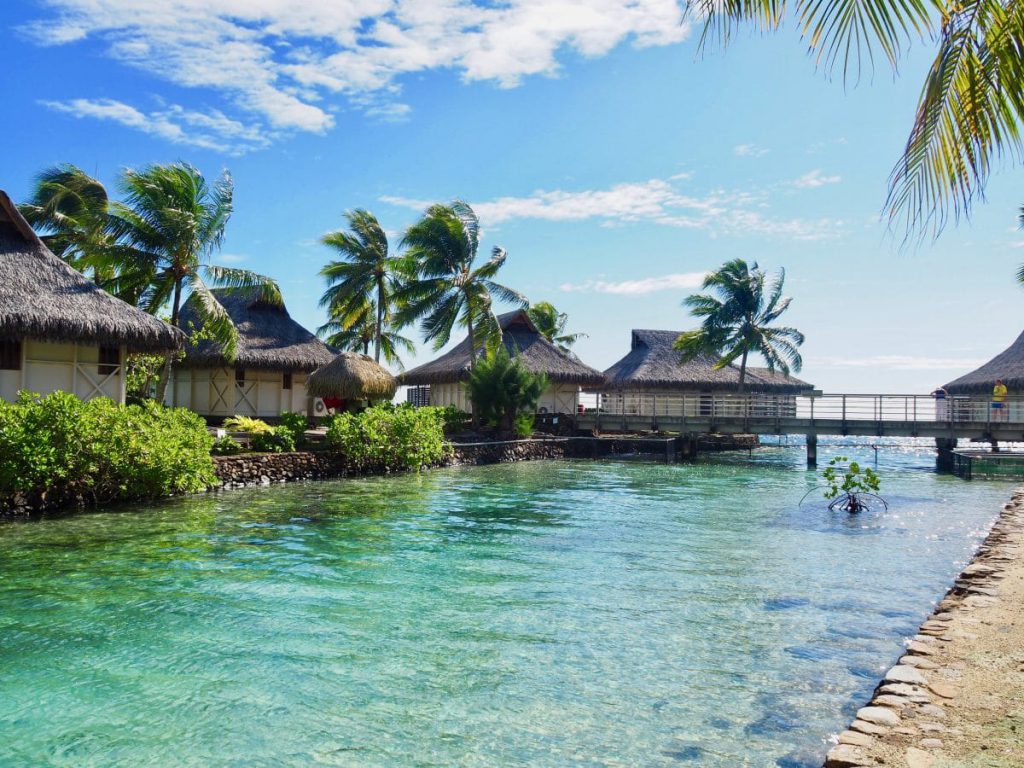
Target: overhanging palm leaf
{"points": [[970, 109]]}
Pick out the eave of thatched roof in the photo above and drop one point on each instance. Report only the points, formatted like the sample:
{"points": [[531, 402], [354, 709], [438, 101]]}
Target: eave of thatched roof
{"points": [[268, 337], [652, 363], [352, 376], [43, 298], [1008, 365], [523, 340]]}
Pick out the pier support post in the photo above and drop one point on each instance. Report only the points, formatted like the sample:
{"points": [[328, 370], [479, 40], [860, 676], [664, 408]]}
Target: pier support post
{"points": [[812, 451], [944, 458], [688, 447]]}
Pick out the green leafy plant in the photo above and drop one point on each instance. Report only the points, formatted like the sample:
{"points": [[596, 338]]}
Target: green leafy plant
{"points": [[455, 420], [58, 450], [850, 487], [501, 389], [226, 446], [277, 440], [524, 425], [296, 424], [386, 437], [247, 424]]}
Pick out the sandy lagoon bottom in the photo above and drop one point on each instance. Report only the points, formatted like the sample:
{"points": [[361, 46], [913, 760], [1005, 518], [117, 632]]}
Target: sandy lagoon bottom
{"points": [[540, 614]]}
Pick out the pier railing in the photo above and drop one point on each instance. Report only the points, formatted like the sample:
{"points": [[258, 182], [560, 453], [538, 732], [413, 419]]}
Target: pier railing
{"points": [[812, 409]]}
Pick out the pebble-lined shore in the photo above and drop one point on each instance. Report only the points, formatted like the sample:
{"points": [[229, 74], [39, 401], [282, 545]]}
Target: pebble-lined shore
{"points": [[936, 707]]}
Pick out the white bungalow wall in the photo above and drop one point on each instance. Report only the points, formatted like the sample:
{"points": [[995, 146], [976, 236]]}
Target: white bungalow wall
{"points": [[50, 367], [215, 392], [557, 398]]}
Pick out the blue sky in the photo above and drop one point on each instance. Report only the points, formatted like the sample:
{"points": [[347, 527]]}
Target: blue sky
{"points": [[613, 163]]}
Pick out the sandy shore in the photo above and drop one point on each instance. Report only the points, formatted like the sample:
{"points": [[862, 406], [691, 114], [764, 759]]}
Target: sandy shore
{"points": [[956, 699]]}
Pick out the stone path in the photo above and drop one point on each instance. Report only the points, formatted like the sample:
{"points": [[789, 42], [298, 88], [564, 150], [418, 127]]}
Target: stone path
{"points": [[956, 699]]}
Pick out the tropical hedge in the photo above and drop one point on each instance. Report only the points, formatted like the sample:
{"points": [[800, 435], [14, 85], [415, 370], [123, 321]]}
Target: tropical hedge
{"points": [[58, 450], [389, 437]]}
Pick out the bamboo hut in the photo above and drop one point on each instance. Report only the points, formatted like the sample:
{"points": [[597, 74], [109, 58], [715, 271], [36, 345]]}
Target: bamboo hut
{"points": [[566, 374], [351, 377], [1008, 365], [60, 331], [653, 367], [268, 376]]}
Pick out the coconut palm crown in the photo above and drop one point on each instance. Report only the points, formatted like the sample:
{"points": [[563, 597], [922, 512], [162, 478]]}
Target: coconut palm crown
{"points": [[169, 225], [551, 324], [362, 285], [738, 320], [448, 288]]}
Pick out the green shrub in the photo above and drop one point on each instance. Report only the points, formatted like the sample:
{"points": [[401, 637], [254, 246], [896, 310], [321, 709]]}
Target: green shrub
{"points": [[389, 437], [501, 389], [296, 424], [247, 424], [58, 449], [277, 440], [226, 446], [454, 419], [524, 425]]}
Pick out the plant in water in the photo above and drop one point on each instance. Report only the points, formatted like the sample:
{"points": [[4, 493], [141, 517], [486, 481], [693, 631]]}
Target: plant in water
{"points": [[850, 487]]}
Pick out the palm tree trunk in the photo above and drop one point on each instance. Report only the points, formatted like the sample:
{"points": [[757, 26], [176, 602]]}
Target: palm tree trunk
{"points": [[472, 355], [743, 371], [165, 375], [380, 321]]}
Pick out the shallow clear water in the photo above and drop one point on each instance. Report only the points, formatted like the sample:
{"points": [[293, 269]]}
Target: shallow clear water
{"points": [[539, 614]]}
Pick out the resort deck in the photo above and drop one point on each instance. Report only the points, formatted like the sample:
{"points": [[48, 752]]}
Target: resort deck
{"points": [[946, 420]]}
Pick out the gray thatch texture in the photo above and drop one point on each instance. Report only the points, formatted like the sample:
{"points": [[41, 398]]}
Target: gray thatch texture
{"points": [[43, 298], [1008, 365], [269, 339], [523, 341], [352, 376], [652, 363]]}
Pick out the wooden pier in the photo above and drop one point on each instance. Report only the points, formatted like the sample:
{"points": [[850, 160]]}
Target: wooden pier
{"points": [[944, 420]]}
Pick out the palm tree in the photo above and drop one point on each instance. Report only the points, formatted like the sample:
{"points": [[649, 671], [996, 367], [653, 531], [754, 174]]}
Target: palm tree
{"points": [[356, 332], [551, 324], [738, 320], [367, 277], [70, 209], [447, 288], [970, 112], [169, 225]]}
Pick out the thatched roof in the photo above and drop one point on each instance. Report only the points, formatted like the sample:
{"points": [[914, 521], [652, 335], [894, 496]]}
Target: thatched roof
{"points": [[652, 363], [268, 337], [43, 298], [1008, 365], [352, 376], [523, 340]]}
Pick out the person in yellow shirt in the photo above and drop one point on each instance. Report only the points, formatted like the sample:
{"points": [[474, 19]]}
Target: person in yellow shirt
{"points": [[999, 401]]}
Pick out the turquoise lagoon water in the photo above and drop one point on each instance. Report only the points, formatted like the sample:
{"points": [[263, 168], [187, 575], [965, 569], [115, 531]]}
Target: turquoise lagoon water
{"points": [[539, 614]]}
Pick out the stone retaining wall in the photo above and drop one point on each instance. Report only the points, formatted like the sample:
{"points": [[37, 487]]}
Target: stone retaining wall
{"points": [[909, 714]]}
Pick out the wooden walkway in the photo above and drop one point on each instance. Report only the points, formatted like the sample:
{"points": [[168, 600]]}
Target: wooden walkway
{"points": [[945, 420]]}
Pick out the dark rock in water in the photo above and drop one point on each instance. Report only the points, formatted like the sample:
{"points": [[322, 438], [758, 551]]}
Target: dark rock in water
{"points": [[809, 652], [720, 723], [778, 720], [866, 673], [784, 603], [802, 759], [690, 752]]}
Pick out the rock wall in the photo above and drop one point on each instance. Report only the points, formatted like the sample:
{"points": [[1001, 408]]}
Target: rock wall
{"points": [[509, 450]]}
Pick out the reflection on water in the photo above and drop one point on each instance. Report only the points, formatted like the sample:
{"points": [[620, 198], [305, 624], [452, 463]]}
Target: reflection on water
{"points": [[539, 614]]}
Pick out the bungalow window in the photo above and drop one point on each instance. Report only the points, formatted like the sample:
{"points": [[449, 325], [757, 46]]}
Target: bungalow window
{"points": [[286, 382], [110, 360], [239, 376], [10, 355]]}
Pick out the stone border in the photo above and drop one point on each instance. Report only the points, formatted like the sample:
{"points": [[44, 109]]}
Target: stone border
{"points": [[906, 711]]}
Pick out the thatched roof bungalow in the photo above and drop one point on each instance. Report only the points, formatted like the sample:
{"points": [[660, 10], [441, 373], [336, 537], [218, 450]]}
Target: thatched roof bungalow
{"points": [[59, 330], [268, 377], [1008, 365], [352, 376], [566, 374], [652, 367]]}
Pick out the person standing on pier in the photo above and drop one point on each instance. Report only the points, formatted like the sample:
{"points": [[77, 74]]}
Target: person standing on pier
{"points": [[999, 401]]}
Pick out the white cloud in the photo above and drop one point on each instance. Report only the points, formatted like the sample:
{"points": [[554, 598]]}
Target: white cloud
{"points": [[657, 201], [900, 362], [277, 60], [638, 287], [212, 130], [749, 150], [814, 179]]}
